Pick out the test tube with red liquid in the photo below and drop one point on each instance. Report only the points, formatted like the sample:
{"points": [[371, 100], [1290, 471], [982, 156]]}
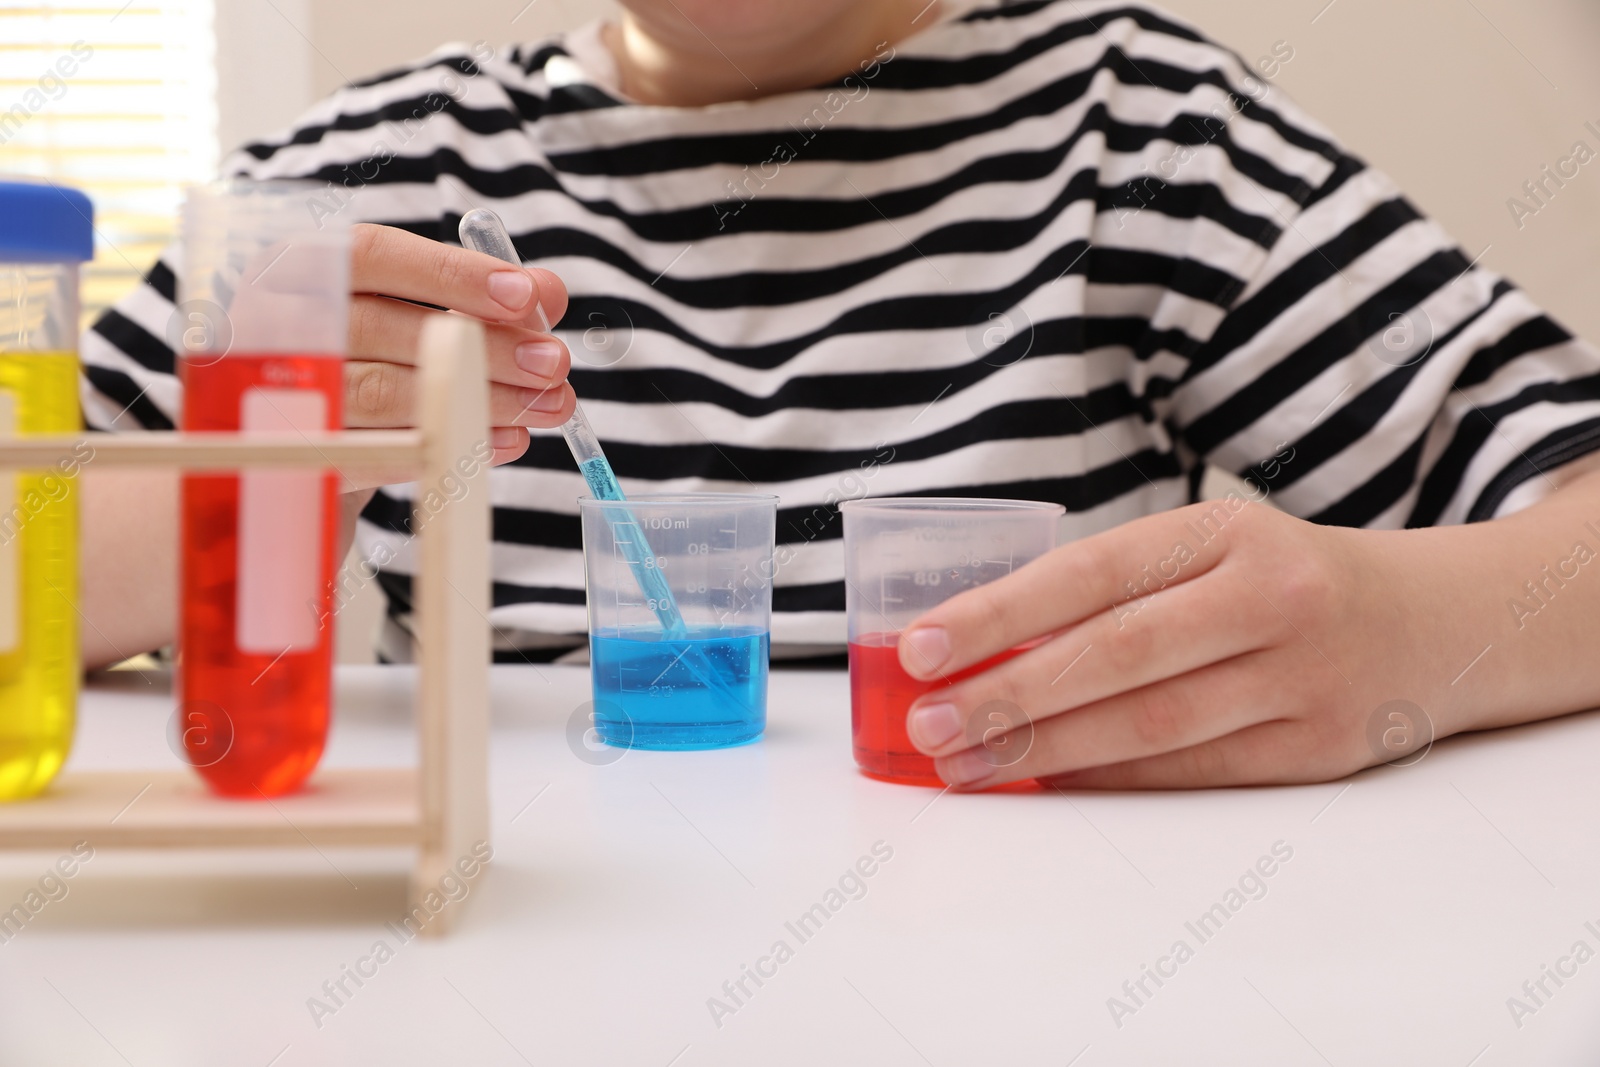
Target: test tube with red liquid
{"points": [[904, 556], [263, 311]]}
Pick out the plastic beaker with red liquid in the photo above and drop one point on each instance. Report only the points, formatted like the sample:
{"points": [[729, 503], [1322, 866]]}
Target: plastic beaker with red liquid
{"points": [[263, 311], [904, 556]]}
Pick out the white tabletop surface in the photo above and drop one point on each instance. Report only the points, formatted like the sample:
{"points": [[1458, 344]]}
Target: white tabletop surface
{"points": [[622, 896]]}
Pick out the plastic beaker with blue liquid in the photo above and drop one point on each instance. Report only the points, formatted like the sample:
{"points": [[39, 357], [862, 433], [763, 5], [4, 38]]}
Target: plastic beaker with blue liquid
{"points": [[680, 608]]}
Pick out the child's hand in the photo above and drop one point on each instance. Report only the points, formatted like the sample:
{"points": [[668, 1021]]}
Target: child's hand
{"points": [[527, 366], [1256, 652]]}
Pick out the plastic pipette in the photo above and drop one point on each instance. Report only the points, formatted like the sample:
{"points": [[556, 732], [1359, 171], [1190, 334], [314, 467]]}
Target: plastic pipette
{"points": [[482, 231]]}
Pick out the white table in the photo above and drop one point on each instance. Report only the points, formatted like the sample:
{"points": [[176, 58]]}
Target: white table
{"points": [[622, 896]]}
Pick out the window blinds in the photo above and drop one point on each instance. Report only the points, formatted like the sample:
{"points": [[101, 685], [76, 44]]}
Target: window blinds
{"points": [[118, 100]]}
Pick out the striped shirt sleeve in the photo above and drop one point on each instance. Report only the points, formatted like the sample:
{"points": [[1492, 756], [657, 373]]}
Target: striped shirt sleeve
{"points": [[129, 380], [1371, 374]]}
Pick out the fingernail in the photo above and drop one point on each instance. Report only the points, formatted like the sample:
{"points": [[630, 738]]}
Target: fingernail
{"points": [[539, 357], [542, 279], [505, 437], [930, 648], [545, 400], [934, 725], [965, 768], [511, 289]]}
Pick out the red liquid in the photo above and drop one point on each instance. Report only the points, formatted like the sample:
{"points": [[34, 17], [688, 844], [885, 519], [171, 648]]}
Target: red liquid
{"points": [[881, 693], [253, 723]]}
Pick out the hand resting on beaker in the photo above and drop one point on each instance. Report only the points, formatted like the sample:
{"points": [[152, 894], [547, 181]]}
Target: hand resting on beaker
{"points": [[1227, 643]]}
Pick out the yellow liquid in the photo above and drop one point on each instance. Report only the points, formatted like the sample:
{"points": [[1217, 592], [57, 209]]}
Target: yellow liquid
{"points": [[39, 527]]}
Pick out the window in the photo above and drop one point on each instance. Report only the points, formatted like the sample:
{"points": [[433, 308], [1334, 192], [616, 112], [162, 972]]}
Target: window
{"points": [[118, 100]]}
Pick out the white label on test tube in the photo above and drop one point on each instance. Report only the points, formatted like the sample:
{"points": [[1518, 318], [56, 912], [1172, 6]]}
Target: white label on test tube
{"points": [[10, 535], [280, 531]]}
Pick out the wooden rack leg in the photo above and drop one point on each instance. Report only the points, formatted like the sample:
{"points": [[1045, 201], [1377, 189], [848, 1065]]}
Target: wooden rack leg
{"points": [[452, 606]]}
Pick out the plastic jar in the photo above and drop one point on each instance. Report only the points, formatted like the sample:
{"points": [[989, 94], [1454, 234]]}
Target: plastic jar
{"points": [[45, 233]]}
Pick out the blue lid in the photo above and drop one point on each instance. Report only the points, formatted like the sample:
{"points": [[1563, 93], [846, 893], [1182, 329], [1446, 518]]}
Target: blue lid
{"points": [[44, 224]]}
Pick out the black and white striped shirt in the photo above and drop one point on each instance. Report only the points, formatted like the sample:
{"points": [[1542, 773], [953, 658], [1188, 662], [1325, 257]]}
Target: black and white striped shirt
{"points": [[1064, 250]]}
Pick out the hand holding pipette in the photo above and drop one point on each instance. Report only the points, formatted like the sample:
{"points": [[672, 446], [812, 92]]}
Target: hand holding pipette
{"points": [[395, 277], [482, 231]]}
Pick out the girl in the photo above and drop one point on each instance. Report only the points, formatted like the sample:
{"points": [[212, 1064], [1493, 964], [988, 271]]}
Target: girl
{"points": [[1060, 250]]}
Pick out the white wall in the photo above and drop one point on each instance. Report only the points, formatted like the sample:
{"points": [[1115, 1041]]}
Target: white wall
{"points": [[351, 43], [1461, 102], [264, 69]]}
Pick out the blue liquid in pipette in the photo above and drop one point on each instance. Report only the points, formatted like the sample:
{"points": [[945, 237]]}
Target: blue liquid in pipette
{"points": [[630, 540], [648, 696], [602, 483]]}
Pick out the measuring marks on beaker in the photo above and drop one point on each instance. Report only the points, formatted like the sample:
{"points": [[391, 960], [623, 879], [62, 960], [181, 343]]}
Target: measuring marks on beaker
{"points": [[630, 546], [918, 572], [685, 568]]}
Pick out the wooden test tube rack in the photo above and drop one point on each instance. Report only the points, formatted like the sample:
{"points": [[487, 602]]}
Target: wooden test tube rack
{"points": [[442, 806]]}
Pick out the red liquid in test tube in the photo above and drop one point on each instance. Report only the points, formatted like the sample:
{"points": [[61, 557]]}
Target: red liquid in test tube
{"points": [[256, 626]]}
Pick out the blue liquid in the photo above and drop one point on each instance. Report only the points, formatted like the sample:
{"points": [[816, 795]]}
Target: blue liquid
{"points": [[651, 690], [602, 483], [687, 658]]}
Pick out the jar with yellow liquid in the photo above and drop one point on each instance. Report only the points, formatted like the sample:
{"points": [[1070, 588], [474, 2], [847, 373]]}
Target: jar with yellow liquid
{"points": [[45, 233]]}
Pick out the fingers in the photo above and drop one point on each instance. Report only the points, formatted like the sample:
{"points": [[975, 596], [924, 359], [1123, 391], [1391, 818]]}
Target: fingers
{"points": [[394, 262], [1264, 754], [1132, 646], [390, 330], [527, 366], [513, 406], [1068, 585], [1170, 716], [508, 442], [384, 395]]}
